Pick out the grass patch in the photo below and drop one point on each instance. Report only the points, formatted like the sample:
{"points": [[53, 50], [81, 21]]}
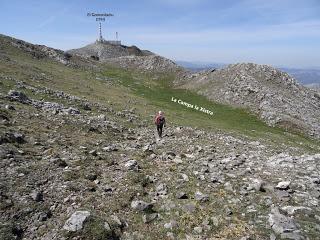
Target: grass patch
{"points": [[158, 92]]}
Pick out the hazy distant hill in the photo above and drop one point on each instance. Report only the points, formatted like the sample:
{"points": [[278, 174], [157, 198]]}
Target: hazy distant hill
{"points": [[304, 76], [199, 66]]}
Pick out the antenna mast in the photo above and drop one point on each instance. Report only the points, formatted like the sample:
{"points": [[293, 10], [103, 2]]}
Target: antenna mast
{"points": [[100, 33], [101, 17]]}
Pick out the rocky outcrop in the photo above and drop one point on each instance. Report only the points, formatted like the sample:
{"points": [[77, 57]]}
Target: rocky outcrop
{"points": [[273, 95], [40, 51], [152, 63]]}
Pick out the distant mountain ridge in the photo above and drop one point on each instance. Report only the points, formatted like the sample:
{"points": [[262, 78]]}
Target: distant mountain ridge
{"points": [[304, 76]]}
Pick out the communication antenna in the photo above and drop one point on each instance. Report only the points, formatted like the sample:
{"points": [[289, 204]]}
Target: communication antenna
{"points": [[100, 17], [100, 33], [117, 36]]}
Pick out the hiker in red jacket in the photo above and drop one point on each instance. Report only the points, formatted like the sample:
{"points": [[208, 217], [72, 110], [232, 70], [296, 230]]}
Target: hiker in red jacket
{"points": [[160, 121]]}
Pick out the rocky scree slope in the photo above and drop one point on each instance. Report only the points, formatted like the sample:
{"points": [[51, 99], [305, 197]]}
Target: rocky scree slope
{"points": [[152, 63], [74, 169], [273, 95]]}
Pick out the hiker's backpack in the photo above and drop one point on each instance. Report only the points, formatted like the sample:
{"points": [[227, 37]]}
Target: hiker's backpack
{"points": [[159, 120]]}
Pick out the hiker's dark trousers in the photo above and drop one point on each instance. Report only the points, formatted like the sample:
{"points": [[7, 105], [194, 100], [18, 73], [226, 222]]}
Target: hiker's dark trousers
{"points": [[159, 129]]}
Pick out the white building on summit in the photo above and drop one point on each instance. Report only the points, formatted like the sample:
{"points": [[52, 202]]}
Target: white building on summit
{"points": [[102, 40]]}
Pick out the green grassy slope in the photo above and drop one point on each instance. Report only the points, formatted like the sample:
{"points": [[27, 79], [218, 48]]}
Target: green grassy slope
{"points": [[158, 92], [147, 93]]}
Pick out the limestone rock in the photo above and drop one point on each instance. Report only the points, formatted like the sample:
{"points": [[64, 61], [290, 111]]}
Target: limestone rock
{"points": [[76, 221]]}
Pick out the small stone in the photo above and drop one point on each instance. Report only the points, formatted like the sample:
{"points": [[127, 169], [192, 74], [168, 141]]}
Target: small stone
{"points": [[257, 185], [93, 152], [228, 186], [110, 148], [245, 238], [189, 208], [170, 235], [37, 196], [215, 221], [147, 218], [229, 212], [107, 226], [316, 194], [59, 162], [102, 117], [117, 220], [273, 237], [172, 224], [91, 176], [132, 165], [316, 180], [43, 216], [10, 107], [96, 181], [141, 205], [161, 189], [283, 185], [177, 160], [72, 110], [197, 230], [201, 197], [184, 177], [282, 195], [76, 221], [147, 148], [108, 189], [86, 107], [182, 195]]}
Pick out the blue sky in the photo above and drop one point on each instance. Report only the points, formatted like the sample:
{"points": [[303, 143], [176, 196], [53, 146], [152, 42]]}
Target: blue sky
{"points": [[275, 32]]}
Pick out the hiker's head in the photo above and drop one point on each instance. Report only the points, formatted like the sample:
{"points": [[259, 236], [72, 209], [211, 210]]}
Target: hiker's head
{"points": [[160, 112]]}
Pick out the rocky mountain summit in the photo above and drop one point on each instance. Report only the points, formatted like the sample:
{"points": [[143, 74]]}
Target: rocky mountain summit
{"points": [[102, 51], [273, 95], [127, 57]]}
